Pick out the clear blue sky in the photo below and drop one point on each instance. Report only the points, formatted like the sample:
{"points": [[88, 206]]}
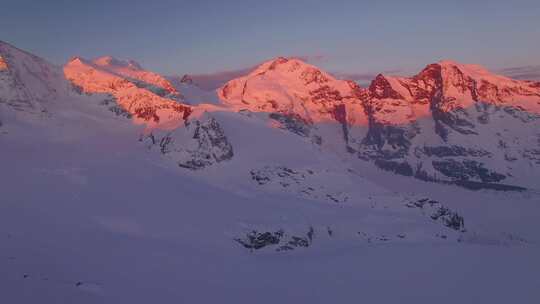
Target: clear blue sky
{"points": [[200, 36]]}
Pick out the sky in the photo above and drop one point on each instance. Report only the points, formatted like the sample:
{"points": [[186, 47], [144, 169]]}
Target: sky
{"points": [[350, 37]]}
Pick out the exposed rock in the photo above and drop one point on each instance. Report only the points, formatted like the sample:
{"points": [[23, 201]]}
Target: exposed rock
{"points": [[302, 182], [401, 168], [293, 123], [198, 145], [466, 169], [437, 212], [449, 151], [281, 241]]}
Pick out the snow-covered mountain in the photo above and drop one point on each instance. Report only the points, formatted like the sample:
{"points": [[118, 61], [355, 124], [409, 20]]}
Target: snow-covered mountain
{"points": [[290, 86], [28, 82], [451, 122], [455, 122], [145, 96], [124, 192], [301, 98]]}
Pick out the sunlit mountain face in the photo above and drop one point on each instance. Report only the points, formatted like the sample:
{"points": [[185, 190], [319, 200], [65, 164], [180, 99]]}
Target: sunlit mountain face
{"points": [[280, 182]]}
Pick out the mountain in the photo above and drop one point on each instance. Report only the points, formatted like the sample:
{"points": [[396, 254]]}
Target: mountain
{"points": [[290, 86], [301, 98], [267, 190], [144, 96], [454, 122], [450, 123], [28, 82]]}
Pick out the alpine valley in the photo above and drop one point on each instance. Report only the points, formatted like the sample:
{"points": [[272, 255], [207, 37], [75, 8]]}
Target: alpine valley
{"points": [[286, 184]]}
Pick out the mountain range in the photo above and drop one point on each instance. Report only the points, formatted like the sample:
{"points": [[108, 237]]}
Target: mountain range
{"points": [[450, 123], [137, 172]]}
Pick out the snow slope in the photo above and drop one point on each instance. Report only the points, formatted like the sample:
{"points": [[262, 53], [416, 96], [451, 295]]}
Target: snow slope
{"points": [[127, 227]]}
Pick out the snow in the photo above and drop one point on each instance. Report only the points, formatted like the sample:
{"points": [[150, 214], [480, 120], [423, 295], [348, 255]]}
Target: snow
{"points": [[146, 106], [136, 230], [90, 214], [290, 86], [193, 94]]}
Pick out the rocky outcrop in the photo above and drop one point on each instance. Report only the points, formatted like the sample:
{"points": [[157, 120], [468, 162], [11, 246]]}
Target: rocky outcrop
{"points": [[278, 240], [299, 96], [201, 143], [438, 212]]}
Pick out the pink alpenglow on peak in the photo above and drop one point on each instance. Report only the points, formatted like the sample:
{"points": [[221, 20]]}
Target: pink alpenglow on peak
{"points": [[291, 86], [141, 102], [133, 70], [447, 86]]}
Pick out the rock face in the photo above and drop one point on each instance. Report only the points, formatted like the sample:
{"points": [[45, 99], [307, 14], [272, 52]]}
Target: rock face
{"points": [[440, 213], [450, 123], [278, 240], [201, 143], [149, 98], [27, 82]]}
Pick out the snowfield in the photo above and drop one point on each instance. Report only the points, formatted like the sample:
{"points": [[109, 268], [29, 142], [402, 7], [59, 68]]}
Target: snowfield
{"points": [[232, 206]]}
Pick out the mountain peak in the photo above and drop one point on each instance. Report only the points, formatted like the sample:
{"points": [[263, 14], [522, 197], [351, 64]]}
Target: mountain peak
{"points": [[77, 60], [383, 87], [280, 63], [146, 96], [290, 86], [448, 62]]}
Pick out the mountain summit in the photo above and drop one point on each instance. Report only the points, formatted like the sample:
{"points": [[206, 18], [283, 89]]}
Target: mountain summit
{"points": [[146, 96], [290, 86], [446, 123]]}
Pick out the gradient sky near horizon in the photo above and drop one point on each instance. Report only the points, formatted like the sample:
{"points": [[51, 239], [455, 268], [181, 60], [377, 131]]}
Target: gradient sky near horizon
{"points": [[200, 36]]}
